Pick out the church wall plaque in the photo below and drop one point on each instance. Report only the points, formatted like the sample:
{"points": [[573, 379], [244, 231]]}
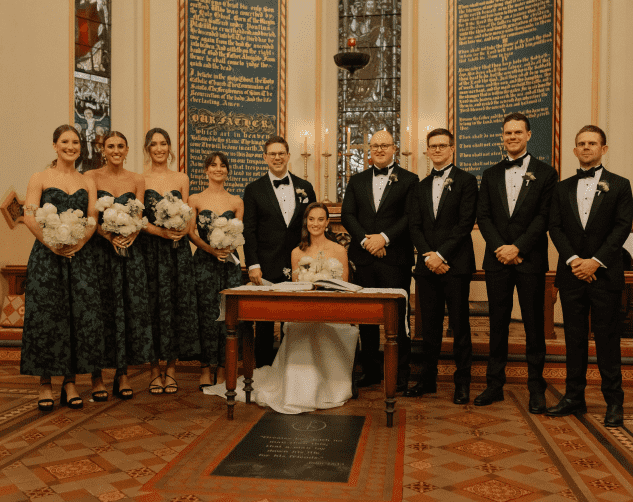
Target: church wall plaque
{"points": [[231, 85], [504, 57]]}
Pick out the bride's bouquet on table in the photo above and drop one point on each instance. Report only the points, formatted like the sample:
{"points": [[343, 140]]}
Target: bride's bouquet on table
{"points": [[121, 219], [224, 233], [172, 212], [318, 273], [63, 229]]}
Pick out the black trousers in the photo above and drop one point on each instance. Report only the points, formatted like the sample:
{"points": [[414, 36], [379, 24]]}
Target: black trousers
{"points": [[531, 291], [605, 324], [381, 275], [436, 291]]}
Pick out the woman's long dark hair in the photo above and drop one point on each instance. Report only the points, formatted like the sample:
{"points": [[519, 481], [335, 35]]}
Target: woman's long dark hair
{"points": [[148, 141], [305, 235]]}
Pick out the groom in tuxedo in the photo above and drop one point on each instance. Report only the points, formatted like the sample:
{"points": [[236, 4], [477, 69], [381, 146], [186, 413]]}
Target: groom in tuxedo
{"points": [[374, 212], [441, 219], [591, 218], [273, 214], [513, 214]]}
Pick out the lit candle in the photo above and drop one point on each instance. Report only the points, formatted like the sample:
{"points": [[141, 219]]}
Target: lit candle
{"points": [[349, 139], [305, 143], [327, 140]]}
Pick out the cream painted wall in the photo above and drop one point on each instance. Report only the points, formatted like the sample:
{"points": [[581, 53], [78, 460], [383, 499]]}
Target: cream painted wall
{"points": [[35, 73]]}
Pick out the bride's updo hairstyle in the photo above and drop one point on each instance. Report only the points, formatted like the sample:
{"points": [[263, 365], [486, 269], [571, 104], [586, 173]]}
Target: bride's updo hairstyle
{"points": [[148, 141], [223, 159], [57, 133], [305, 235]]}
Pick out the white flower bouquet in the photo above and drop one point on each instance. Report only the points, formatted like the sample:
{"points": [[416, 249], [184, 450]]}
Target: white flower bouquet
{"points": [[223, 233], [121, 219], [65, 229], [172, 212], [319, 268]]}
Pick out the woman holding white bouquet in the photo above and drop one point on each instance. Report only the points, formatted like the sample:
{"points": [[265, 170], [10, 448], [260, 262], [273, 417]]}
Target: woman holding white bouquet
{"points": [[219, 232], [63, 329], [128, 331], [169, 263], [313, 367]]}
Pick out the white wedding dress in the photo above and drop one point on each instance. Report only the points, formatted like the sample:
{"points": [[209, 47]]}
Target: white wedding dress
{"points": [[312, 370]]}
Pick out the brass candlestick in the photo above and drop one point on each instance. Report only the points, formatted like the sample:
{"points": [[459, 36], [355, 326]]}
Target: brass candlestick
{"points": [[348, 168], [326, 175], [305, 165], [406, 159]]}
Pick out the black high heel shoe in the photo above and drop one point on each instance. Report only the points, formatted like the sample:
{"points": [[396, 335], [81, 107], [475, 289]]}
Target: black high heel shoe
{"points": [[45, 404], [121, 393], [74, 403], [99, 396], [202, 386]]}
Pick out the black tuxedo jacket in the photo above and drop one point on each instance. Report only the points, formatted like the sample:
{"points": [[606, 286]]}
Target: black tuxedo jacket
{"points": [[449, 233], [608, 226], [269, 241], [360, 217], [527, 227]]}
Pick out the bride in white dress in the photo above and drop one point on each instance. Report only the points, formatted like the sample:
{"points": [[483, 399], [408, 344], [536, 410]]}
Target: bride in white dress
{"points": [[313, 367]]}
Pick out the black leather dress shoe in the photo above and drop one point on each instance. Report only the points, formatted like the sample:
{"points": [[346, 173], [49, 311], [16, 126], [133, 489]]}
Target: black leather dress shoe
{"points": [[419, 389], [367, 381], [489, 396], [462, 394], [537, 404], [614, 416], [566, 407], [402, 387]]}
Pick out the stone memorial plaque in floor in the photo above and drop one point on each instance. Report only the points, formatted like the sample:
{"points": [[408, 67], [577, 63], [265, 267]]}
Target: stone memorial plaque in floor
{"points": [[298, 447]]}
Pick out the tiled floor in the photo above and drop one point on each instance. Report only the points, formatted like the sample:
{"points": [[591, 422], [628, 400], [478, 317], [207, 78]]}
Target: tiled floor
{"points": [[111, 451]]}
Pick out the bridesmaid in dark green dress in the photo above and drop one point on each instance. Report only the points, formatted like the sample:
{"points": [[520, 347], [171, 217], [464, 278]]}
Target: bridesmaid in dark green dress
{"points": [[63, 329], [171, 283], [213, 273], [128, 331]]}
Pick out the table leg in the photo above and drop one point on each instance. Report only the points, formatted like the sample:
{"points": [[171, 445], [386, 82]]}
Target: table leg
{"points": [[391, 359], [249, 361], [231, 355]]}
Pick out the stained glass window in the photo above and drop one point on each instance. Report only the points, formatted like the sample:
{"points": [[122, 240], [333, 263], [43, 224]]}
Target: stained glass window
{"points": [[369, 100], [93, 30]]}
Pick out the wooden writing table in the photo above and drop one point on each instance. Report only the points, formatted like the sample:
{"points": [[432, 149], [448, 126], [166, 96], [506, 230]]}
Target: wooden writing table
{"points": [[308, 306]]}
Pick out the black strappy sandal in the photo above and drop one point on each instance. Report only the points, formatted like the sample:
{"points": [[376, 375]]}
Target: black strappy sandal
{"points": [[74, 403], [45, 404], [99, 396], [171, 385], [121, 393], [155, 389]]}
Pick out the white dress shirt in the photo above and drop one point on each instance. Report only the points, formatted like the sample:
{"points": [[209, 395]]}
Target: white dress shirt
{"points": [[378, 189], [514, 181], [585, 193], [438, 190]]}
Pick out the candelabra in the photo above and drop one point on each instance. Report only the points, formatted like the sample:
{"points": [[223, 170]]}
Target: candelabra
{"points": [[305, 165], [326, 175], [406, 159]]}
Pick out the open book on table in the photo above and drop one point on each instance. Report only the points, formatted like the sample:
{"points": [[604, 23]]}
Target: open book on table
{"points": [[327, 284]]}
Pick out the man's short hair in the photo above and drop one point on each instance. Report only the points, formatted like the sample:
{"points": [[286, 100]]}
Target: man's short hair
{"points": [[441, 132], [592, 128], [517, 116], [276, 139]]}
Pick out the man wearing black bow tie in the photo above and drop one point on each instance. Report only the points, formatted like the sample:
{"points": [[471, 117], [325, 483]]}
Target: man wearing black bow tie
{"points": [[591, 218], [273, 213], [513, 214], [374, 212], [441, 219]]}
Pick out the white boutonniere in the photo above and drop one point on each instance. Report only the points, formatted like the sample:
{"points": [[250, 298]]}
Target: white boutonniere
{"points": [[603, 186], [447, 184], [392, 179], [528, 177], [303, 196], [287, 272]]}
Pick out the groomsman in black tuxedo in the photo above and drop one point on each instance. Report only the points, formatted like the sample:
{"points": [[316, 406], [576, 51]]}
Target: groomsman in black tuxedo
{"points": [[441, 218], [273, 213], [513, 214], [591, 218], [374, 212]]}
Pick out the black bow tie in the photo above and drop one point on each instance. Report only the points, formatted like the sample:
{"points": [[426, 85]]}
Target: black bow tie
{"points": [[516, 162], [284, 181], [589, 173], [381, 172], [441, 172]]}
